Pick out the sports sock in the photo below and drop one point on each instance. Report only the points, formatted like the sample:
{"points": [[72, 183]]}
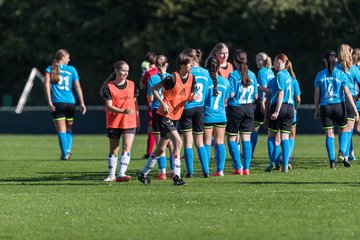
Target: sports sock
{"points": [[330, 148], [207, 148], [221, 156], [271, 149], [189, 160], [177, 165], [343, 139], [247, 152], [124, 163], [203, 159], [235, 154], [150, 143], [285, 152], [150, 163], [277, 153], [112, 162], [291, 145], [69, 141], [254, 140], [162, 164], [63, 143]]}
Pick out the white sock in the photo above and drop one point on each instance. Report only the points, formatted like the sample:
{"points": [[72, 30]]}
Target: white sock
{"points": [[112, 161], [163, 171], [124, 163], [150, 163], [177, 165]]}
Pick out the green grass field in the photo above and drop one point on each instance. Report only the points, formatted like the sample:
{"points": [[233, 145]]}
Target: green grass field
{"points": [[44, 198]]}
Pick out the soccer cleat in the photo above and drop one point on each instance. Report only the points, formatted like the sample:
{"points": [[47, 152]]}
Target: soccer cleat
{"points": [[67, 157], [123, 179], [144, 179], [290, 166], [206, 175], [217, 174], [333, 164], [237, 172], [343, 160], [189, 175], [161, 176], [246, 172], [352, 156], [110, 178], [285, 169], [178, 181], [270, 167]]}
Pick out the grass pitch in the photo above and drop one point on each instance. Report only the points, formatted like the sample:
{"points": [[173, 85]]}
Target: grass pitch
{"points": [[44, 198]]}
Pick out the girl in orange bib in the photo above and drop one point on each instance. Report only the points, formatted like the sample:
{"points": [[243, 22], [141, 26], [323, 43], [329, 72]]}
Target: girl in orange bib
{"points": [[177, 88], [122, 118]]}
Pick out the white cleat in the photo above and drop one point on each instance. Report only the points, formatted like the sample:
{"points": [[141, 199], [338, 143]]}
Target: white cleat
{"points": [[110, 178]]}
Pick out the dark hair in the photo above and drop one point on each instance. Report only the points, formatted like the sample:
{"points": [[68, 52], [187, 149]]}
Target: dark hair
{"points": [[55, 71], [330, 59], [195, 54], [161, 62], [240, 60], [288, 64], [112, 76], [356, 56], [183, 59], [151, 57], [213, 66]]}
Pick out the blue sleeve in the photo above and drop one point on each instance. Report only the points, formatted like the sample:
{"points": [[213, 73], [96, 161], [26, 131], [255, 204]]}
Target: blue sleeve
{"points": [[75, 74], [356, 74], [48, 69], [280, 82], [149, 86], [227, 92], [297, 91], [262, 78], [232, 82], [253, 77]]}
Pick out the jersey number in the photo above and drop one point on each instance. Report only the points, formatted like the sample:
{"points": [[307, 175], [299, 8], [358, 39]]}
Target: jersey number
{"points": [[250, 90]]}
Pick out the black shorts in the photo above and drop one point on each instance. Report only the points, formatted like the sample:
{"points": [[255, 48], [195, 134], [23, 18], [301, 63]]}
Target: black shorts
{"points": [[193, 120], [258, 114], [239, 118], [166, 125], [212, 125], [333, 114], [155, 124], [115, 133], [64, 111], [284, 120], [350, 112]]}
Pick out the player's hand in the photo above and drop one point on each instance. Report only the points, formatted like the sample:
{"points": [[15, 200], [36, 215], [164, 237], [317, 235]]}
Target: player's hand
{"points": [[82, 109], [51, 107], [356, 116], [196, 97], [274, 116], [317, 114], [128, 111], [165, 108]]}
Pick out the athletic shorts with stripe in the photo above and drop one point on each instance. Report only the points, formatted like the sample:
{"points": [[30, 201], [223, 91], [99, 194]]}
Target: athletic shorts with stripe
{"points": [[350, 112], [115, 133], [166, 125], [155, 124], [333, 114], [193, 120], [240, 118], [258, 114], [284, 120], [64, 111]]}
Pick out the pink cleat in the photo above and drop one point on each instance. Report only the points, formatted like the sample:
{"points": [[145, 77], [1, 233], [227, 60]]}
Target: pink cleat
{"points": [[237, 172], [217, 174], [123, 179], [246, 172], [161, 176]]}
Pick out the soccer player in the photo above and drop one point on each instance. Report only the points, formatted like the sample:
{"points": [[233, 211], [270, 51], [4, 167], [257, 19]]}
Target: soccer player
{"points": [[330, 89], [177, 89], [192, 119], [281, 113], [264, 75], [215, 119], [240, 112], [356, 62], [122, 118], [59, 80], [353, 75], [151, 58], [162, 65]]}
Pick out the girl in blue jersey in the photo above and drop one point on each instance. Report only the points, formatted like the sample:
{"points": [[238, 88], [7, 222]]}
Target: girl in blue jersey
{"points": [[59, 80], [240, 112], [192, 119], [330, 89], [264, 75], [215, 120], [356, 62], [162, 64], [296, 100], [353, 79], [281, 112]]}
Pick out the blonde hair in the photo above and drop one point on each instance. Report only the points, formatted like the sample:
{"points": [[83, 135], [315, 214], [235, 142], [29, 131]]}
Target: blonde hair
{"points": [[55, 71], [345, 56], [264, 60], [218, 47]]}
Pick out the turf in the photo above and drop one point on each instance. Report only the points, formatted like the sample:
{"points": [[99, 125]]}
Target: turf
{"points": [[44, 198]]}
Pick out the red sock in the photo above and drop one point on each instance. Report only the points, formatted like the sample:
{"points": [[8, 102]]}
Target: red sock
{"points": [[150, 143]]}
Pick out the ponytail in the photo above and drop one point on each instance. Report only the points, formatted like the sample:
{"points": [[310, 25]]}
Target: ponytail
{"points": [[213, 66], [240, 60], [161, 63], [330, 60], [55, 71], [345, 56], [288, 64], [263, 60]]}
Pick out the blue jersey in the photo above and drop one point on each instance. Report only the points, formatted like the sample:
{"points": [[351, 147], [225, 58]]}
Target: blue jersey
{"points": [[264, 75], [297, 92], [202, 79], [243, 95], [283, 82], [62, 90], [214, 109], [353, 77], [330, 86], [153, 80]]}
